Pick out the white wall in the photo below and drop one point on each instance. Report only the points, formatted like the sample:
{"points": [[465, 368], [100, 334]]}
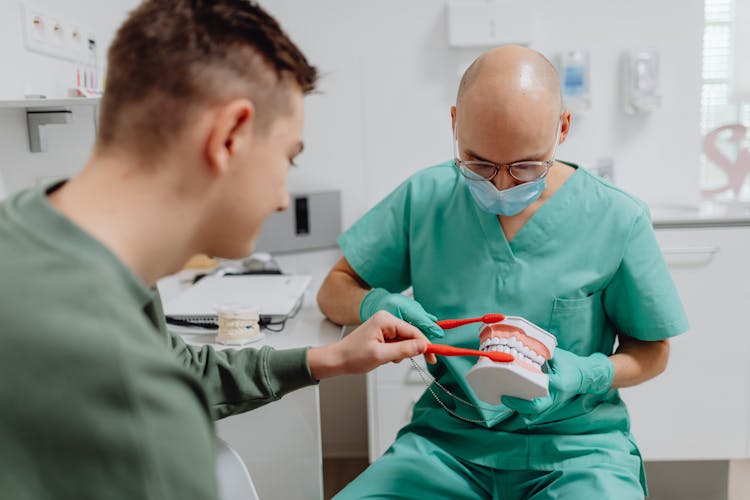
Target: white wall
{"points": [[27, 72], [657, 155], [390, 79], [335, 149]]}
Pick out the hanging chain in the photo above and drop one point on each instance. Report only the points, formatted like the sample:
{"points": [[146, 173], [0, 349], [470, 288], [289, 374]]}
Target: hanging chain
{"points": [[428, 380]]}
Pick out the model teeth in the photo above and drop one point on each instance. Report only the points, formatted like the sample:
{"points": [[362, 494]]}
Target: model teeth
{"points": [[514, 347]]}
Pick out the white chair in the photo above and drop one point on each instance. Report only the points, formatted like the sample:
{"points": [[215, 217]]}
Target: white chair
{"points": [[233, 477]]}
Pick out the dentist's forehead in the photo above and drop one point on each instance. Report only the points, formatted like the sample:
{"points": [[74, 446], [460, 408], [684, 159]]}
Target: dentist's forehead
{"points": [[510, 82]]}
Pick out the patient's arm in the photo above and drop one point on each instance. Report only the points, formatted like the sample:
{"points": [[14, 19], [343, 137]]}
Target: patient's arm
{"points": [[238, 380]]}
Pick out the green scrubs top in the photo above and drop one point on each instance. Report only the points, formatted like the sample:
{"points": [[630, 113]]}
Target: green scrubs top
{"points": [[97, 399], [584, 267]]}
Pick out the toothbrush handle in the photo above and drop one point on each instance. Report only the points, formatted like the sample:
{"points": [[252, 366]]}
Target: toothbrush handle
{"points": [[447, 324], [449, 350]]}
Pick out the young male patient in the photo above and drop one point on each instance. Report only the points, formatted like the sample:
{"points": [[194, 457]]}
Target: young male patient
{"points": [[201, 120]]}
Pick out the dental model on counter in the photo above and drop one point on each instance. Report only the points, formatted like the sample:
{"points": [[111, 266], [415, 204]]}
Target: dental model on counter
{"points": [[239, 324]]}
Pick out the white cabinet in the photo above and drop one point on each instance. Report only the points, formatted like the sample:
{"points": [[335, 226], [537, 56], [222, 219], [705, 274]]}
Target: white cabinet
{"points": [[280, 441], [392, 391], [699, 409]]}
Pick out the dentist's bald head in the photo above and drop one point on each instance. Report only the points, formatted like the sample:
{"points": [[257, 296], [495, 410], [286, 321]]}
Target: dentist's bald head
{"points": [[509, 105], [510, 77]]}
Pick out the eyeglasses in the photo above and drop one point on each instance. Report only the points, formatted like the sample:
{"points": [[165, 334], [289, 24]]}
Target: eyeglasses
{"points": [[523, 171]]}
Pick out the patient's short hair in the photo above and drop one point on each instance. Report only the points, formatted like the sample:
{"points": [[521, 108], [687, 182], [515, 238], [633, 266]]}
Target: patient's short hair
{"points": [[171, 57]]}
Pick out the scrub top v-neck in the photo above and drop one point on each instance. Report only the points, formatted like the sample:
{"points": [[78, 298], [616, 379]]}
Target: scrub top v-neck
{"points": [[584, 267], [525, 237]]}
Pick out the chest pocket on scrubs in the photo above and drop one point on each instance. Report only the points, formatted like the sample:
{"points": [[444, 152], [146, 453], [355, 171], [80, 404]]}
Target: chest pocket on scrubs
{"points": [[578, 324]]}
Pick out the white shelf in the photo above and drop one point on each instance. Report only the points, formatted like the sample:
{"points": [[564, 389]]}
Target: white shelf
{"points": [[50, 103], [42, 112]]}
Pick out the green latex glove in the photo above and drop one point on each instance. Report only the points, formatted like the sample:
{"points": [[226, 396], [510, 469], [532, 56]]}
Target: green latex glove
{"points": [[402, 307], [569, 376]]}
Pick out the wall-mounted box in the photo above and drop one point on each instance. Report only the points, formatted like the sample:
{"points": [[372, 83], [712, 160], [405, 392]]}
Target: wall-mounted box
{"points": [[486, 23], [313, 220], [574, 69], [640, 81], [46, 32]]}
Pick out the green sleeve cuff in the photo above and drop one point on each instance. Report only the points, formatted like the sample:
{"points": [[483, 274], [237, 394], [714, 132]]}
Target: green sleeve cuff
{"points": [[287, 370]]}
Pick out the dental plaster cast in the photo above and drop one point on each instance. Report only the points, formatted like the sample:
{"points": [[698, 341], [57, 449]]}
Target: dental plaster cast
{"points": [[238, 324], [526, 376]]}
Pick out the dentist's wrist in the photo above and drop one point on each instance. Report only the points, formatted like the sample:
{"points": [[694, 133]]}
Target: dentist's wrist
{"points": [[371, 303], [598, 375]]}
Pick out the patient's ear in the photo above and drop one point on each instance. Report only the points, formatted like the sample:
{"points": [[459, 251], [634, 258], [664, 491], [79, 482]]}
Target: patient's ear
{"points": [[229, 125]]}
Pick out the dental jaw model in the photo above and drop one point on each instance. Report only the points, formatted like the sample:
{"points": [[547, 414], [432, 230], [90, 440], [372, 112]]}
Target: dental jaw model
{"points": [[524, 377], [238, 324]]}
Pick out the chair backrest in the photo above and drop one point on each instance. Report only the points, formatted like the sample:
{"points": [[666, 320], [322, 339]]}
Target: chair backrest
{"points": [[234, 479]]}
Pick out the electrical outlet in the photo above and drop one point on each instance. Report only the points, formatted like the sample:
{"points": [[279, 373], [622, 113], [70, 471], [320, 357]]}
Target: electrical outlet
{"points": [[34, 27], [42, 33], [58, 37], [78, 43]]}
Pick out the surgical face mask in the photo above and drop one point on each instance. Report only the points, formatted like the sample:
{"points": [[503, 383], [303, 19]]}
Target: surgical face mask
{"points": [[508, 201]]}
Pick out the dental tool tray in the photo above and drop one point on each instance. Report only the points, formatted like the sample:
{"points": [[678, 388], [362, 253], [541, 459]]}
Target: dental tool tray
{"points": [[277, 297]]}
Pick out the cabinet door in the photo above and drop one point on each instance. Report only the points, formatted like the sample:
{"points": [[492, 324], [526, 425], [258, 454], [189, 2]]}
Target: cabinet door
{"points": [[698, 408], [280, 441], [392, 391]]}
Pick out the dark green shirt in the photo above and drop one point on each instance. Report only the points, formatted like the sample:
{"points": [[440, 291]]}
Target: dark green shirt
{"points": [[97, 399]]}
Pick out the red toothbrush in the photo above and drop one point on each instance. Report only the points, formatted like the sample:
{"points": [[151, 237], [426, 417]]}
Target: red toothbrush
{"points": [[449, 350], [447, 324]]}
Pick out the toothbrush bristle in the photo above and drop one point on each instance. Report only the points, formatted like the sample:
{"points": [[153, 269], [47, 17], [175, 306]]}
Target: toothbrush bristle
{"points": [[492, 318]]}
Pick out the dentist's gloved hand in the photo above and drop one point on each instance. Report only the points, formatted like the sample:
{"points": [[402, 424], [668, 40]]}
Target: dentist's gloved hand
{"points": [[402, 307], [569, 376]]}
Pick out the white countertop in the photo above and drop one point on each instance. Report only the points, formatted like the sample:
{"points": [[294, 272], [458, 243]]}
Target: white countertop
{"points": [[307, 328]]}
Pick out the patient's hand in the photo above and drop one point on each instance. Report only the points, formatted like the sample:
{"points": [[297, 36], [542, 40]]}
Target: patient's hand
{"points": [[381, 339]]}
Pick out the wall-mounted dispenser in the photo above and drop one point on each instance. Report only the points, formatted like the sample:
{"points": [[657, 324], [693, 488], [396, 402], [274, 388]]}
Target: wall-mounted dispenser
{"points": [[575, 76], [640, 78]]}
